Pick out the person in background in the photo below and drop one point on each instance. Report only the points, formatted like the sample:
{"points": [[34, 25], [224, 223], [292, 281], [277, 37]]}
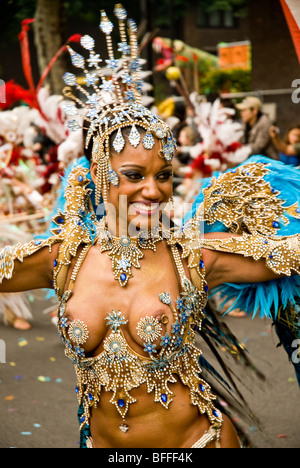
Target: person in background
{"points": [[289, 147], [256, 128]]}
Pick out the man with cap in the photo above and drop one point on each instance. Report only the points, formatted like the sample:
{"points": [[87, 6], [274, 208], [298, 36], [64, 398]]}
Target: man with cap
{"points": [[256, 128]]}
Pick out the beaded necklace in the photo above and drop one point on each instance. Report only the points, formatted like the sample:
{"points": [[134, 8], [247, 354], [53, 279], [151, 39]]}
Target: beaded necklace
{"points": [[125, 252]]}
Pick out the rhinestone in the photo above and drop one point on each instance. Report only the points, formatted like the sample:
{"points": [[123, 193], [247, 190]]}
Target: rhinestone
{"points": [[73, 125], [94, 60], [148, 141], [87, 42], [70, 79], [134, 137], [106, 26], [132, 26], [77, 59], [119, 142], [90, 79], [120, 12], [70, 109], [125, 241], [160, 133]]}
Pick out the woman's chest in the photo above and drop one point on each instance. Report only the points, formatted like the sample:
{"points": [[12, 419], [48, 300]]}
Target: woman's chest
{"points": [[144, 310]]}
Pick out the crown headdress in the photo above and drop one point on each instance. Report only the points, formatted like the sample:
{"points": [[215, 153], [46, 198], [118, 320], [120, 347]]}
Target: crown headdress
{"points": [[113, 103]]}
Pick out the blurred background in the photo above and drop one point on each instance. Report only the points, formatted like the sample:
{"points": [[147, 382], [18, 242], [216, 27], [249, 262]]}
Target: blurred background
{"points": [[251, 41]]}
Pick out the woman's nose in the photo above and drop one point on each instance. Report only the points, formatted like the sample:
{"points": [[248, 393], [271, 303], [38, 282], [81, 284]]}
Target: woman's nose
{"points": [[150, 189]]}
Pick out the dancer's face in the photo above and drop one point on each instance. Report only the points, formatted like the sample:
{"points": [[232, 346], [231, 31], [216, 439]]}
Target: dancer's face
{"points": [[145, 186]]}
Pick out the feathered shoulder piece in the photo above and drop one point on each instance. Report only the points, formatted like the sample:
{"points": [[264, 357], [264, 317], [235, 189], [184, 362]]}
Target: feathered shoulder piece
{"points": [[259, 202], [74, 226], [243, 200]]}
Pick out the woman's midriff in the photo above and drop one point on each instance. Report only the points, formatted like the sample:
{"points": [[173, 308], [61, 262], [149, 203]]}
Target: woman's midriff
{"points": [[150, 424]]}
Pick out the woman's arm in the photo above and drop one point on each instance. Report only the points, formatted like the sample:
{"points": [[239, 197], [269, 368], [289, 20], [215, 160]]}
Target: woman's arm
{"points": [[34, 272], [233, 268], [248, 259], [280, 145]]}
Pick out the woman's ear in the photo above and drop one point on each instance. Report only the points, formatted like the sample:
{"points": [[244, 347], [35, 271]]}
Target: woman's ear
{"points": [[94, 172]]}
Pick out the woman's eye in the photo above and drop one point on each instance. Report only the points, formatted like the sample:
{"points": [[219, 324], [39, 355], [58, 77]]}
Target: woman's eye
{"points": [[134, 176], [164, 176]]}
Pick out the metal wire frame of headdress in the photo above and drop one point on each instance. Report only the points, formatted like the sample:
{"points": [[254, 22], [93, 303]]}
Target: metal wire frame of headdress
{"points": [[113, 103]]}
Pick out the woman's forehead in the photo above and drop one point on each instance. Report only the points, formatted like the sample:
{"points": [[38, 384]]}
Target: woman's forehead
{"points": [[144, 158]]}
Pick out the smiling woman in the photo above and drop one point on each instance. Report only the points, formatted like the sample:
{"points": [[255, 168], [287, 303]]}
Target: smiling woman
{"points": [[130, 305]]}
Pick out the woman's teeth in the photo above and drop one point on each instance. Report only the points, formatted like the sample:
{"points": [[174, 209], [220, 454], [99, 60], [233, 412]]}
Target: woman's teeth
{"points": [[143, 207]]}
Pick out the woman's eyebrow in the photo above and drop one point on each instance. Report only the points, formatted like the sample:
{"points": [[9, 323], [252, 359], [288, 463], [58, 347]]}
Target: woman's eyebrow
{"points": [[137, 166]]}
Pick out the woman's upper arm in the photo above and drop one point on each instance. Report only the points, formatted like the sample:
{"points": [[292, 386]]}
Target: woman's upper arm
{"points": [[235, 268], [34, 272]]}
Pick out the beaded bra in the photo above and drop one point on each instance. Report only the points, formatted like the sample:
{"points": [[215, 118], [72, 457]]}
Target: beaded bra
{"points": [[118, 368]]}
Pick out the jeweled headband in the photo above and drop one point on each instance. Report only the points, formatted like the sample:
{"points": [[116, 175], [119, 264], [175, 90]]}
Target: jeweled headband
{"points": [[110, 103]]}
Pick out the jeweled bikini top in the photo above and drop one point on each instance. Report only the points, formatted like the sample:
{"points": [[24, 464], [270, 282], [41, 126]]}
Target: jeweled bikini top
{"points": [[118, 368]]}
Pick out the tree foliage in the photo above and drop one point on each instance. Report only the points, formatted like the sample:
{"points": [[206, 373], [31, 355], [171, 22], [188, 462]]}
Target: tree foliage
{"points": [[239, 7], [226, 81]]}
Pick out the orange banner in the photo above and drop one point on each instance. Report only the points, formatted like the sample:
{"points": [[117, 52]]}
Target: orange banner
{"points": [[293, 26]]}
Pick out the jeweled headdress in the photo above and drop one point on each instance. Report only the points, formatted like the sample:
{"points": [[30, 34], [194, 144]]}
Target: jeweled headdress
{"points": [[112, 103]]}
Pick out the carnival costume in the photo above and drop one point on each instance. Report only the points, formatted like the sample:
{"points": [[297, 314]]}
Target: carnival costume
{"points": [[242, 200]]}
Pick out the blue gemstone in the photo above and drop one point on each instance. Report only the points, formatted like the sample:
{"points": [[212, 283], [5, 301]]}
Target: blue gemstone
{"points": [[82, 419], [271, 256], [206, 288], [37, 243], [121, 403], [55, 263], [201, 387], [60, 220], [91, 397], [275, 224], [80, 178], [201, 264], [164, 397], [123, 277], [215, 413], [76, 389], [297, 210]]}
